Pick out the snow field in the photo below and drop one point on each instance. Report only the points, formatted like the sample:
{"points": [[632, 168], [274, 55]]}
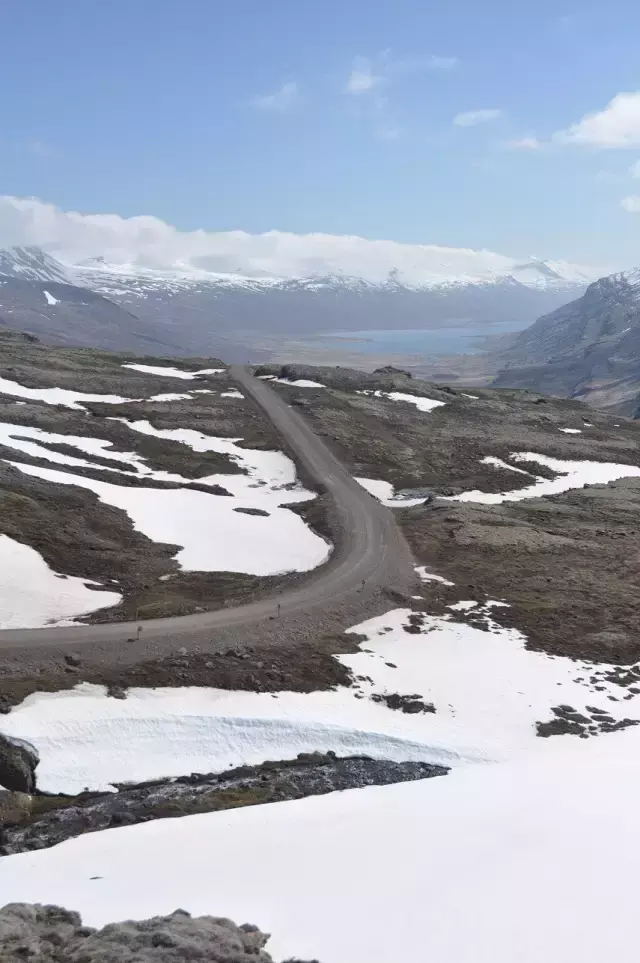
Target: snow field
{"points": [[487, 689], [490, 864]]}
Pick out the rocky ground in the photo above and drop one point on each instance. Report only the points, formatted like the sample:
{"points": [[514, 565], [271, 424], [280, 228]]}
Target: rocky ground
{"points": [[80, 535], [36, 822], [51, 934], [565, 564]]}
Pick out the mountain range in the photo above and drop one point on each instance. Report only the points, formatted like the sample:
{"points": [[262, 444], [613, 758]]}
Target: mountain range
{"points": [[588, 349], [194, 311]]}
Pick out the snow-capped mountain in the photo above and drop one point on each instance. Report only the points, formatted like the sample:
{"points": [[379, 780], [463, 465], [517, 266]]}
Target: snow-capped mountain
{"points": [[191, 309], [140, 281], [588, 349], [33, 264]]}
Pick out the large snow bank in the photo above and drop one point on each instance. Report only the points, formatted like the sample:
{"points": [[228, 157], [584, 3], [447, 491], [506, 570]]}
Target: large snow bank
{"points": [[532, 860]]}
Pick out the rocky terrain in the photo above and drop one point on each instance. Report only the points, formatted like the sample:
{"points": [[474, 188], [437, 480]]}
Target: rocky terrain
{"points": [[588, 349], [564, 563], [35, 822], [54, 935], [71, 527]]}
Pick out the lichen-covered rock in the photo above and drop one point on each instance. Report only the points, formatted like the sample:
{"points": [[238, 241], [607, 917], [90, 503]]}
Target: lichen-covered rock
{"points": [[50, 934], [18, 763], [14, 807]]}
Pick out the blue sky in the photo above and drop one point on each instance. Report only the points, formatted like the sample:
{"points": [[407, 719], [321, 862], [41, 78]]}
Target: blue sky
{"points": [[335, 117]]}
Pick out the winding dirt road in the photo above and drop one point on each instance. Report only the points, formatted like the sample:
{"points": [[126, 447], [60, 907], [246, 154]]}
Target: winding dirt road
{"points": [[372, 552]]}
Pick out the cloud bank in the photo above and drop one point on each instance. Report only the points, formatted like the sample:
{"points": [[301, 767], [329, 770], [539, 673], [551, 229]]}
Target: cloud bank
{"points": [[148, 242], [615, 127]]}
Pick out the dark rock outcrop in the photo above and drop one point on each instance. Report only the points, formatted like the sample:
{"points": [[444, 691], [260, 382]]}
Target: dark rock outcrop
{"points": [[51, 934], [18, 763]]}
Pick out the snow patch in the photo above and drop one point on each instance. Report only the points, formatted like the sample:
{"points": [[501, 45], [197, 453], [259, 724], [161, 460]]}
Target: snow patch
{"points": [[571, 431], [58, 396], [50, 298], [300, 383], [167, 372], [385, 493], [422, 404], [33, 595], [571, 474]]}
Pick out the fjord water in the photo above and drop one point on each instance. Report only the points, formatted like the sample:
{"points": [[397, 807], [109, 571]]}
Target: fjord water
{"points": [[426, 342]]}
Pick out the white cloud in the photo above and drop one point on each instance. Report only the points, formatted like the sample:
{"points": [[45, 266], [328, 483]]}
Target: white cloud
{"points": [[471, 118], [362, 78], [617, 126], [631, 204], [148, 242], [280, 101], [523, 143], [634, 170]]}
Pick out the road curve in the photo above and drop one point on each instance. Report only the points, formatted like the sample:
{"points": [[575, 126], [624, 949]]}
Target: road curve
{"points": [[372, 549]]}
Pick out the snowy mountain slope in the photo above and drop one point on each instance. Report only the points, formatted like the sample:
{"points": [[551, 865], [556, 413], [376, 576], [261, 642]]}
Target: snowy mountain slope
{"points": [[588, 349], [33, 264], [330, 302], [190, 310]]}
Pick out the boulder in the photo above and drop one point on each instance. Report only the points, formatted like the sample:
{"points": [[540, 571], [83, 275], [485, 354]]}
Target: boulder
{"points": [[18, 763]]}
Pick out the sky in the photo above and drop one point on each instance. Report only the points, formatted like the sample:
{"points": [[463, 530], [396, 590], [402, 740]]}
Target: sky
{"points": [[498, 125]]}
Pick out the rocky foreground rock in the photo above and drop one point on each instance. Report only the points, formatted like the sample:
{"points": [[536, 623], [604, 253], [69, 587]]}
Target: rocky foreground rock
{"points": [[49, 934]]}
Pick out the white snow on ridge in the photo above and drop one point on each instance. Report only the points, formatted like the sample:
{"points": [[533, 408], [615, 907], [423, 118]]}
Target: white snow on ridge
{"points": [[421, 403], [58, 396], [572, 474], [166, 372], [491, 864], [487, 689], [33, 595], [50, 298], [300, 383]]}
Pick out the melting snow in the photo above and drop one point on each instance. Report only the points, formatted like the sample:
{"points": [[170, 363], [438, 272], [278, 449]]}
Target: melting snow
{"points": [[50, 298], [231, 394], [532, 860], [34, 596], [571, 431], [57, 396], [384, 492], [572, 474], [488, 691], [423, 404], [167, 372], [426, 576], [300, 383], [171, 396], [213, 536]]}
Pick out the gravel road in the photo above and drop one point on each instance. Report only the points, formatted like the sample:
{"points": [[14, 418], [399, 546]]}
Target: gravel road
{"points": [[371, 557]]}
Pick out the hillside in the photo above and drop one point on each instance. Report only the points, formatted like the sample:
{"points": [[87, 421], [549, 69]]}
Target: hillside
{"points": [[192, 311], [588, 349]]}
